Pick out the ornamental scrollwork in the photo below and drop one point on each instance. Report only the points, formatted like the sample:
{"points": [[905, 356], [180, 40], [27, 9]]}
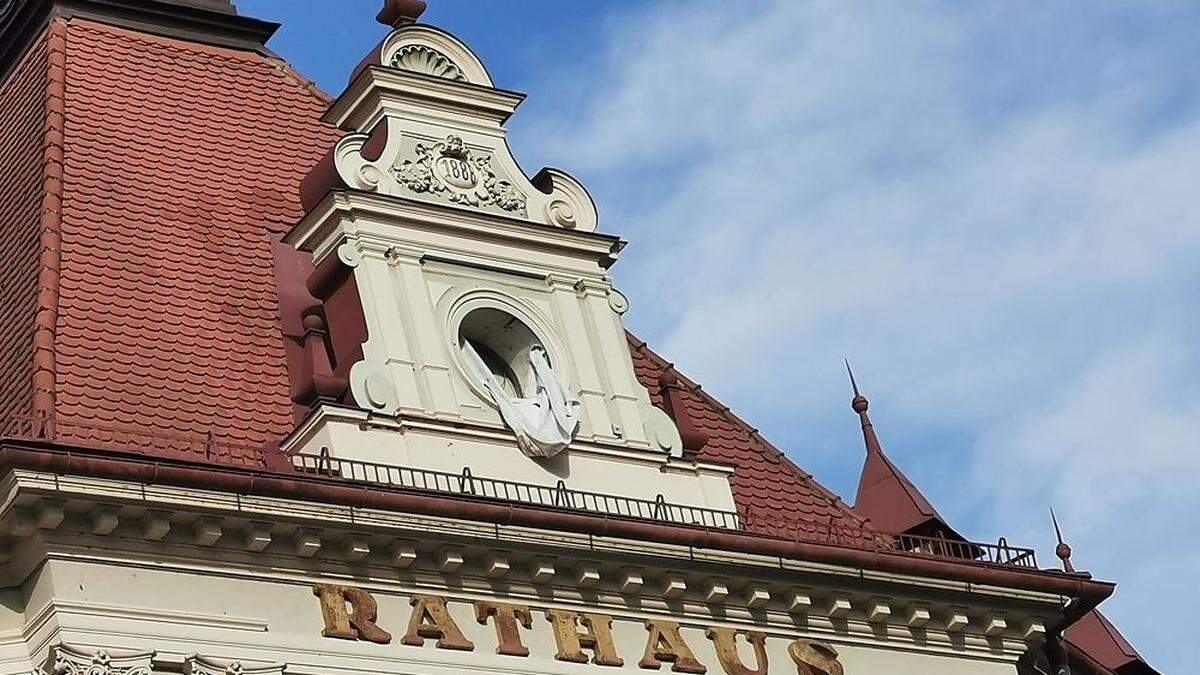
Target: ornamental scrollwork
{"points": [[450, 170], [72, 661], [200, 665]]}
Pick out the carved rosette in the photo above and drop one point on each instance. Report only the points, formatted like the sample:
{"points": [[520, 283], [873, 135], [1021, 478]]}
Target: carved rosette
{"points": [[452, 171], [72, 661]]}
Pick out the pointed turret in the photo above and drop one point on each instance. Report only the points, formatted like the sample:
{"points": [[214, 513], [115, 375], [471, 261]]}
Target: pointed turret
{"points": [[885, 494]]}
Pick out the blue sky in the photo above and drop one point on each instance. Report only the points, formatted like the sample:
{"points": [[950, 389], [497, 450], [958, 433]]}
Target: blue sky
{"points": [[990, 208]]}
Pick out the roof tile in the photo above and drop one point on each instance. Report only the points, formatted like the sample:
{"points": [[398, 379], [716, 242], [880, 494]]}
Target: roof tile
{"points": [[177, 150], [772, 494]]}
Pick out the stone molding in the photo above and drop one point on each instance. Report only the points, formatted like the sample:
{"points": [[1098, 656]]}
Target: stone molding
{"points": [[439, 119], [196, 664], [425, 49], [68, 660], [772, 594]]}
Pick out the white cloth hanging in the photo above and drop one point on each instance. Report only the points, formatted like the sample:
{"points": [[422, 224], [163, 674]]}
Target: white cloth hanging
{"points": [[545, 423]]}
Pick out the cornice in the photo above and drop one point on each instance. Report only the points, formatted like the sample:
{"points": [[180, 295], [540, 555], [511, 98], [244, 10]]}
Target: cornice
{"points": [[299, 542], [352, 211], [478, 431], [59, 463], [376, 88]]}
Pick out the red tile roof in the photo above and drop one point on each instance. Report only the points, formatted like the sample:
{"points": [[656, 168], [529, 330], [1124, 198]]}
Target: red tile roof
{"points": [[182, 160], [773, 495], [144, 180], [24, 147], [1095, 644]]}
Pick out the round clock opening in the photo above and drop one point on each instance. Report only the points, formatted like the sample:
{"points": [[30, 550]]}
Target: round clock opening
{"points": [[502, 342]]}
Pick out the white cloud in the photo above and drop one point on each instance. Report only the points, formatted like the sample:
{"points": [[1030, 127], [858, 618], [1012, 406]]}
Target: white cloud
{"points": [[992, 211]]}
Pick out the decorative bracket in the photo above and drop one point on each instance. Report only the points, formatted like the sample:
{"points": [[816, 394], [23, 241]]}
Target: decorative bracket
{"points": [[201, 665], [74, 661]]}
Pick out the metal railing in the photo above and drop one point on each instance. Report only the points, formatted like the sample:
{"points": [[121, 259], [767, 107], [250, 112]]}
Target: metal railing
{"points": [[557, 496], [560, 497], [1000, 553], [205, 447]]}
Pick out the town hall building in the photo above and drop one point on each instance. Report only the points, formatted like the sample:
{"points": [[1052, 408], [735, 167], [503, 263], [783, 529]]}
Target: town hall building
{"points": [[310, 384]]}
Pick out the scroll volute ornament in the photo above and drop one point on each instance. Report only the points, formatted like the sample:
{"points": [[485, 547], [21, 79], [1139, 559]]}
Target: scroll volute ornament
{"points": [[567, 204], [200, 665], [73, 661]]}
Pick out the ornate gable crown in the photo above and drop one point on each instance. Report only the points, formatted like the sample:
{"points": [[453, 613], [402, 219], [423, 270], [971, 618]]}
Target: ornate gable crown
{"points": [[426, 122], [468, 306]]}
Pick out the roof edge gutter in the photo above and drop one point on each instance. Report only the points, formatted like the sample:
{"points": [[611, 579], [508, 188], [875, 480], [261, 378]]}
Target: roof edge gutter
{"points": [[53, 458]]}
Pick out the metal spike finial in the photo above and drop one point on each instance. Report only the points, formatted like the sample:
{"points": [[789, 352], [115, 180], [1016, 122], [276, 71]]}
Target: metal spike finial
{"points": [[1063, 550], [859, 403]]}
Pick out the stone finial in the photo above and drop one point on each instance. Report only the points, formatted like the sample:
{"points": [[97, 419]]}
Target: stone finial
{"points": [[396, 13]]}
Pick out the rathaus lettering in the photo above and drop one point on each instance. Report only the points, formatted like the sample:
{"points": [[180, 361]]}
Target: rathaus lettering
{"points": [[352, 614]]}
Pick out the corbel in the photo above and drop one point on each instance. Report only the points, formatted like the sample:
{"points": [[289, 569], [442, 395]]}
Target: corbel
{"points": [[631, 580], [879, 610], [357, 548], [496, 566], [104, 520], [307, 544], [206, 531], [800, 601], [541, 571], [757, 596], [917, 615], [155, 525], [716, 591], [839, 606], [587, 575], [403, 554], [450, 559], [956, 619], [994, 625], [257, 537]]}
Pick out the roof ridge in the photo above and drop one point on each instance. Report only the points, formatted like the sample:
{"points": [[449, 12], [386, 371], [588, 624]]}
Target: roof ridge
{"points": [[289, 71], [130, 33], [303, 80], [50, 228]]}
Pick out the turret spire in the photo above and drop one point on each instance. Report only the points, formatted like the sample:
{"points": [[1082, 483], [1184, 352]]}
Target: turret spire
{"points": [[885, 494]]}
